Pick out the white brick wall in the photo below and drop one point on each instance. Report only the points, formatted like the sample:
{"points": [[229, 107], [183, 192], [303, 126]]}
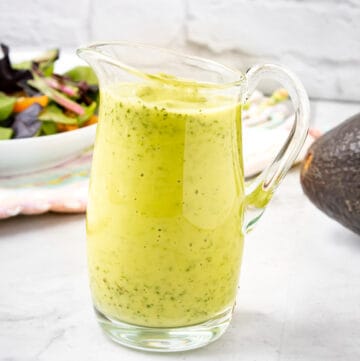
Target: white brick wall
{"points": [[44, 23], [318, 39], [156, 21]]}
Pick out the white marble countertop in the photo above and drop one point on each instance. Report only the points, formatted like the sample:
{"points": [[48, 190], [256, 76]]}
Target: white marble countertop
{"points": [[299, 297]]}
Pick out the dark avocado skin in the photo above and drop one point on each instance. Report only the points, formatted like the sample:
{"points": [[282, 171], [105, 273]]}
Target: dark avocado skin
{"points": [[330, 173]]}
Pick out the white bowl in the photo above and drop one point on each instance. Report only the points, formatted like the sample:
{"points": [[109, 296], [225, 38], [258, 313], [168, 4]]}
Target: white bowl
{"points": [[19, 156]]}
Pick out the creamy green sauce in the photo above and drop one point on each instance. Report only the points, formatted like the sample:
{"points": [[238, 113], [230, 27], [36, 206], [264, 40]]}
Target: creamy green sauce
{"points": [[166, 205]]}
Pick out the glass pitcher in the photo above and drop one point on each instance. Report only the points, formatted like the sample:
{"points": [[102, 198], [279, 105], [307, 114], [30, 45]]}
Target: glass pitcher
{"points": [[168, 204]]}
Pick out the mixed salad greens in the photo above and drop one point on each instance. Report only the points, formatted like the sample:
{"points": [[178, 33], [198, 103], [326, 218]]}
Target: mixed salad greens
{"points": [[35, 101]]}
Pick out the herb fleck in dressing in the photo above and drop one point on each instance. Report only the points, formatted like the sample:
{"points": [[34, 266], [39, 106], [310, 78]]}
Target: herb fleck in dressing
{"points": [[166, 205]]}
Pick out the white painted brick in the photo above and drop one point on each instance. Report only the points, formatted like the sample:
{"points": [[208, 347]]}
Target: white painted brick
{"points": [[326, 79], [270, 27], [319, 40], [44, 23], [158, 22], [321, 79]]}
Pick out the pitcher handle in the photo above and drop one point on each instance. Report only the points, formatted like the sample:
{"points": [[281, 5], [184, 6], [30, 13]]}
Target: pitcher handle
{"points": [[260, 190]]}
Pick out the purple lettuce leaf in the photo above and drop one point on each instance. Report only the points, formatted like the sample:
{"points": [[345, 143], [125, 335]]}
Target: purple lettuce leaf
{"points": [[26, 123], [10, 77]]}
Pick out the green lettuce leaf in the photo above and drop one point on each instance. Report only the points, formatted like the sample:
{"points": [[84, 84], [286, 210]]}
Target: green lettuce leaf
{"points": [[89, 111], [6, 106], [23, 65], [45, 62], [48, 128], [5, 133], [53, 113], [82, 73]]}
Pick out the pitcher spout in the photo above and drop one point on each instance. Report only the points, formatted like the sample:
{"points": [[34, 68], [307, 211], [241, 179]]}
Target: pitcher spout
{"points": [[88, 53], [97, 60], [107, 62]]}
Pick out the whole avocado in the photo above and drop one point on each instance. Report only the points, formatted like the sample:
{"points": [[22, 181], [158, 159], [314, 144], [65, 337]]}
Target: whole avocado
{"points": [[330, 173]]}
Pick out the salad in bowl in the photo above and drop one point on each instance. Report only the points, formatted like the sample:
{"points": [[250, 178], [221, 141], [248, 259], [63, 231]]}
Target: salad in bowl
{"points": [[45, 117]]}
